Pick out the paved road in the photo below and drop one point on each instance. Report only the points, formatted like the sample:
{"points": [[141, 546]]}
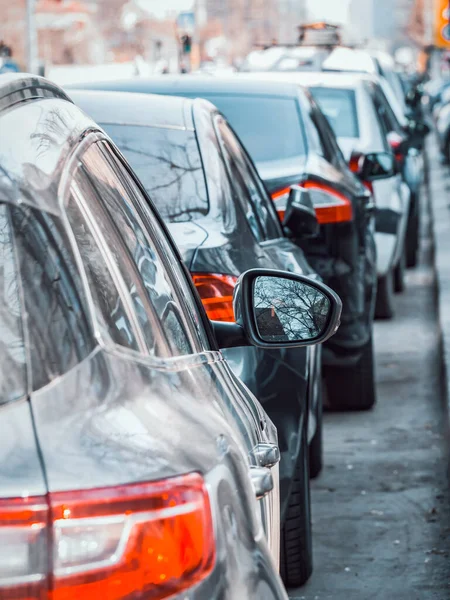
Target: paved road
{"points": [[381, 513]]}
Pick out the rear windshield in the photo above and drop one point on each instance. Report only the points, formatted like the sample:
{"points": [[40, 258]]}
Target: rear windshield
{"points": [[270, 128], [168, 163], [339, 107]]}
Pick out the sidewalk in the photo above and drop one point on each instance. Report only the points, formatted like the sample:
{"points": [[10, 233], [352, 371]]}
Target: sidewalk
{"points": [[439, 203]]}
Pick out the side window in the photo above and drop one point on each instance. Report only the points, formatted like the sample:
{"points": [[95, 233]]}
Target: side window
{"points": [[13, 377], [312, 135], [58, 321], [259, 199], [333, 153], [111, 314], [120, 198], [233, 158]]}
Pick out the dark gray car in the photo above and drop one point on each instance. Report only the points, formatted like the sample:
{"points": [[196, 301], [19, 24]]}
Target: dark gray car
{"points": [[126, 439]]}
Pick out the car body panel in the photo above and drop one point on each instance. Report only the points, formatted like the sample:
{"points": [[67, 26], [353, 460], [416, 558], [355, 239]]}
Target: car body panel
{"points": [[121, 416]]}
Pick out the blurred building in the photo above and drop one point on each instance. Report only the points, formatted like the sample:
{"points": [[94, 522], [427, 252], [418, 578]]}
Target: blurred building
{"points": [[246, 23], [387, 23]]}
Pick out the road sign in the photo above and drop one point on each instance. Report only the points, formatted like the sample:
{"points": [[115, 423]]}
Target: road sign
{"points": [[442, 24], [186, 22]]}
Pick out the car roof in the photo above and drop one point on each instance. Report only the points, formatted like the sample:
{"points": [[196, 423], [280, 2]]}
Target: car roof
{"points": [[179, 84], [317, 78], [39, 128], [149, 110]]}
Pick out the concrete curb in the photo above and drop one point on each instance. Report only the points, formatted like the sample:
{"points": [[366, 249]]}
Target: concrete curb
{"points": [[439, 206]]}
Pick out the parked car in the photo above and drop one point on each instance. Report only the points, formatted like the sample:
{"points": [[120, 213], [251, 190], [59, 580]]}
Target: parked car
{"points": [[443, 131], [126, 438], [291, 142], [207, 189], [349, 101]]}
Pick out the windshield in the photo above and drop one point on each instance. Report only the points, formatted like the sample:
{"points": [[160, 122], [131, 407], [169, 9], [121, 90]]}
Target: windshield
{"points": [[269, 127], [168, 163], [339, 107]]}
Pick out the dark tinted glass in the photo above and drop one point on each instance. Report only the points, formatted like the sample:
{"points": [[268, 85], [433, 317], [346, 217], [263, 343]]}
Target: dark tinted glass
{"points": [[269, 128], [13, 384], [57, 316], [339, 106], [168, 163]]}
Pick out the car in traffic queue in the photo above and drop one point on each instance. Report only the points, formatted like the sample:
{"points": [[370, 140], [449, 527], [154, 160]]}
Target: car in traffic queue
{"points": [[131, 453], [351, 103], [292, 143], [223, 221], [405, 128]]}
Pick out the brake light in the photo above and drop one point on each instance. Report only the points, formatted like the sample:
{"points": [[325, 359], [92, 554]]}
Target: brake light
{"points": [[216, 292], [24, 550], [330, 205], [145, 540], [396, 142]]}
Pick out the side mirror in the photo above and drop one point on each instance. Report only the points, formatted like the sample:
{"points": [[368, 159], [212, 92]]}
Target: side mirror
{"points": [[277, 309], [300, 217], [373, 166]]}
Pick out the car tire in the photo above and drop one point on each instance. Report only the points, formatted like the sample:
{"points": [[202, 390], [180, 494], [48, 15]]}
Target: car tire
{"points": [[399, 274], [384, 305], [296, 562], [412, 240], [352, 388], [316, 444]]}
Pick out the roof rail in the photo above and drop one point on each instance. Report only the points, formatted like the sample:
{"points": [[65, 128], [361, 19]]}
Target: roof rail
{"points": [[16, 87]]}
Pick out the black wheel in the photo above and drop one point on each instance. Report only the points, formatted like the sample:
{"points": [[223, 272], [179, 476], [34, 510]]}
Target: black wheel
{"points": [[316, 444], [399, 274], [352, 388], [296, 535], [412, 239], [384, 305]]}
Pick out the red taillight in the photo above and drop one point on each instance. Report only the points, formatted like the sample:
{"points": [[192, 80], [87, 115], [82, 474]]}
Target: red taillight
{"points": [[396, 142], [146, 540], [280, 197], [24, 549], [216, 292], [330, 205]]}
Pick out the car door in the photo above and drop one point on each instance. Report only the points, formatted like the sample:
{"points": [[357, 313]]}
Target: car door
{"points": [[175, 305]]}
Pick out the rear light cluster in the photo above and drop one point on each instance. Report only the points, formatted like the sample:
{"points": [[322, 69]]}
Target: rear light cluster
{"points": [[397, 143], [147, 540], [216, 292], [330, 205]]}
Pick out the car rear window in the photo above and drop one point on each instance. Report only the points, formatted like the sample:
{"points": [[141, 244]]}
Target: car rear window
{"points": [[339, 107], [168, 163], [269, 127]]}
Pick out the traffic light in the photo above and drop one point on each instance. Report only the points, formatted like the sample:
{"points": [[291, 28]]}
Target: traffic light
{"points": [[186, 43]]}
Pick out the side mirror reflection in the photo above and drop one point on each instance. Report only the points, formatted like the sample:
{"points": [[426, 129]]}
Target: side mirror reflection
{"points": [[289, 311]]}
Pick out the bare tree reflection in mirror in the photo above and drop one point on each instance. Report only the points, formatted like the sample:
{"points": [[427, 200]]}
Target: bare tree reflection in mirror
{"points": [[287, 310]]}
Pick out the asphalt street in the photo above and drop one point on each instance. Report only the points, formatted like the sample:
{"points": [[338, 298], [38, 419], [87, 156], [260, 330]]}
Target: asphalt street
{"points": [[381, 510]]}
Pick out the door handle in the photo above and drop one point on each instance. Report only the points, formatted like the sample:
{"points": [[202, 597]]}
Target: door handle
{"points": [[267, 455], [262, 481]]}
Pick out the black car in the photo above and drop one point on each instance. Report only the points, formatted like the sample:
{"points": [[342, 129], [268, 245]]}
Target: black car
{"points": [[291, 142], [207, 189], [131, 455]]}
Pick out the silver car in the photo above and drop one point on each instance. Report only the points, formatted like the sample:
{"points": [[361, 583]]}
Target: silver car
{"points": [[131, 454]]}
